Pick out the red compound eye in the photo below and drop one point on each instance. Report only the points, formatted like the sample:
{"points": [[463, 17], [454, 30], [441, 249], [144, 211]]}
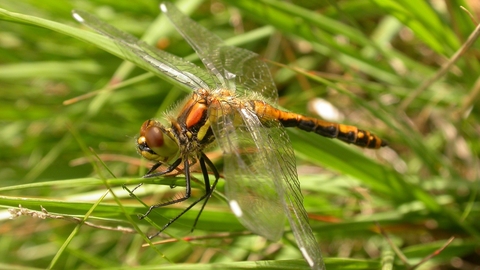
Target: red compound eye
{"points": [[156, 142], [154, 137]]}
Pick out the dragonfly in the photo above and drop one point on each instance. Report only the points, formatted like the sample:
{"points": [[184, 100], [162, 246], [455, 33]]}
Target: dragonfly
{"points": [[233, 104]]}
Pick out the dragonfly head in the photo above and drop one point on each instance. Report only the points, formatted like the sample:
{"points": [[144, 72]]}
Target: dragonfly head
{"points": [[156, 143]]}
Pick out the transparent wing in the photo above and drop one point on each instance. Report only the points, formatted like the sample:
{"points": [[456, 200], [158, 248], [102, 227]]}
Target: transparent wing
{"points": [[235, 69], [165, 65], [261, 178], [252, 194]]}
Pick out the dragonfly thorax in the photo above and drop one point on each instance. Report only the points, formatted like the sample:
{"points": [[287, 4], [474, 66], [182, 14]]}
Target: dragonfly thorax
{"points": [[157, 143]]}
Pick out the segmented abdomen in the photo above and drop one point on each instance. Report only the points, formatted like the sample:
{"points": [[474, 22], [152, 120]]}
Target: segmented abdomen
{"points": [[348, 134]]}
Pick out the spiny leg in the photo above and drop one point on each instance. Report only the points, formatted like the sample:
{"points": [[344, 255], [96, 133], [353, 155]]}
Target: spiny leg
{"points": [[188, 189], [149, 174], [170, 168], [208, 190]]}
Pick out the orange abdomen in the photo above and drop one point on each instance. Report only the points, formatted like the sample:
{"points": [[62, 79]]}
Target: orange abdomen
{"points": [[348, 134]]}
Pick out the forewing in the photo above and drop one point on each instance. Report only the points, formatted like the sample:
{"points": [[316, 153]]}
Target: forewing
{"points": [[260, 174], [163, 64], [234, 68]]}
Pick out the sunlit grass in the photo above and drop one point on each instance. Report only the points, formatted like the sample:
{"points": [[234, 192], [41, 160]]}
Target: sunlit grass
{"points": [[366, 57]]}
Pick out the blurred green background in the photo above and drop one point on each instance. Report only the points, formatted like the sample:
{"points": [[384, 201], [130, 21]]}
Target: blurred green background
{"points": [[376, 61]]}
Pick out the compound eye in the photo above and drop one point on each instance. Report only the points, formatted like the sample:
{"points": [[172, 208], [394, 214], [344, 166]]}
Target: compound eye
{"points": [[156, 143], [154, 138]]}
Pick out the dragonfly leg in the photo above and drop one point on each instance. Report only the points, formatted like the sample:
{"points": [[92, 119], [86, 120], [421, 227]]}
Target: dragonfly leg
{"points": [[204, 161], [208, 189], [154, 167], [188, 189], [170, 168]]}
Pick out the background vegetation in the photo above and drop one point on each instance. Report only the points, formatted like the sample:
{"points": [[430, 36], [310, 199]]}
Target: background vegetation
{"points": [[378, 61]]}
